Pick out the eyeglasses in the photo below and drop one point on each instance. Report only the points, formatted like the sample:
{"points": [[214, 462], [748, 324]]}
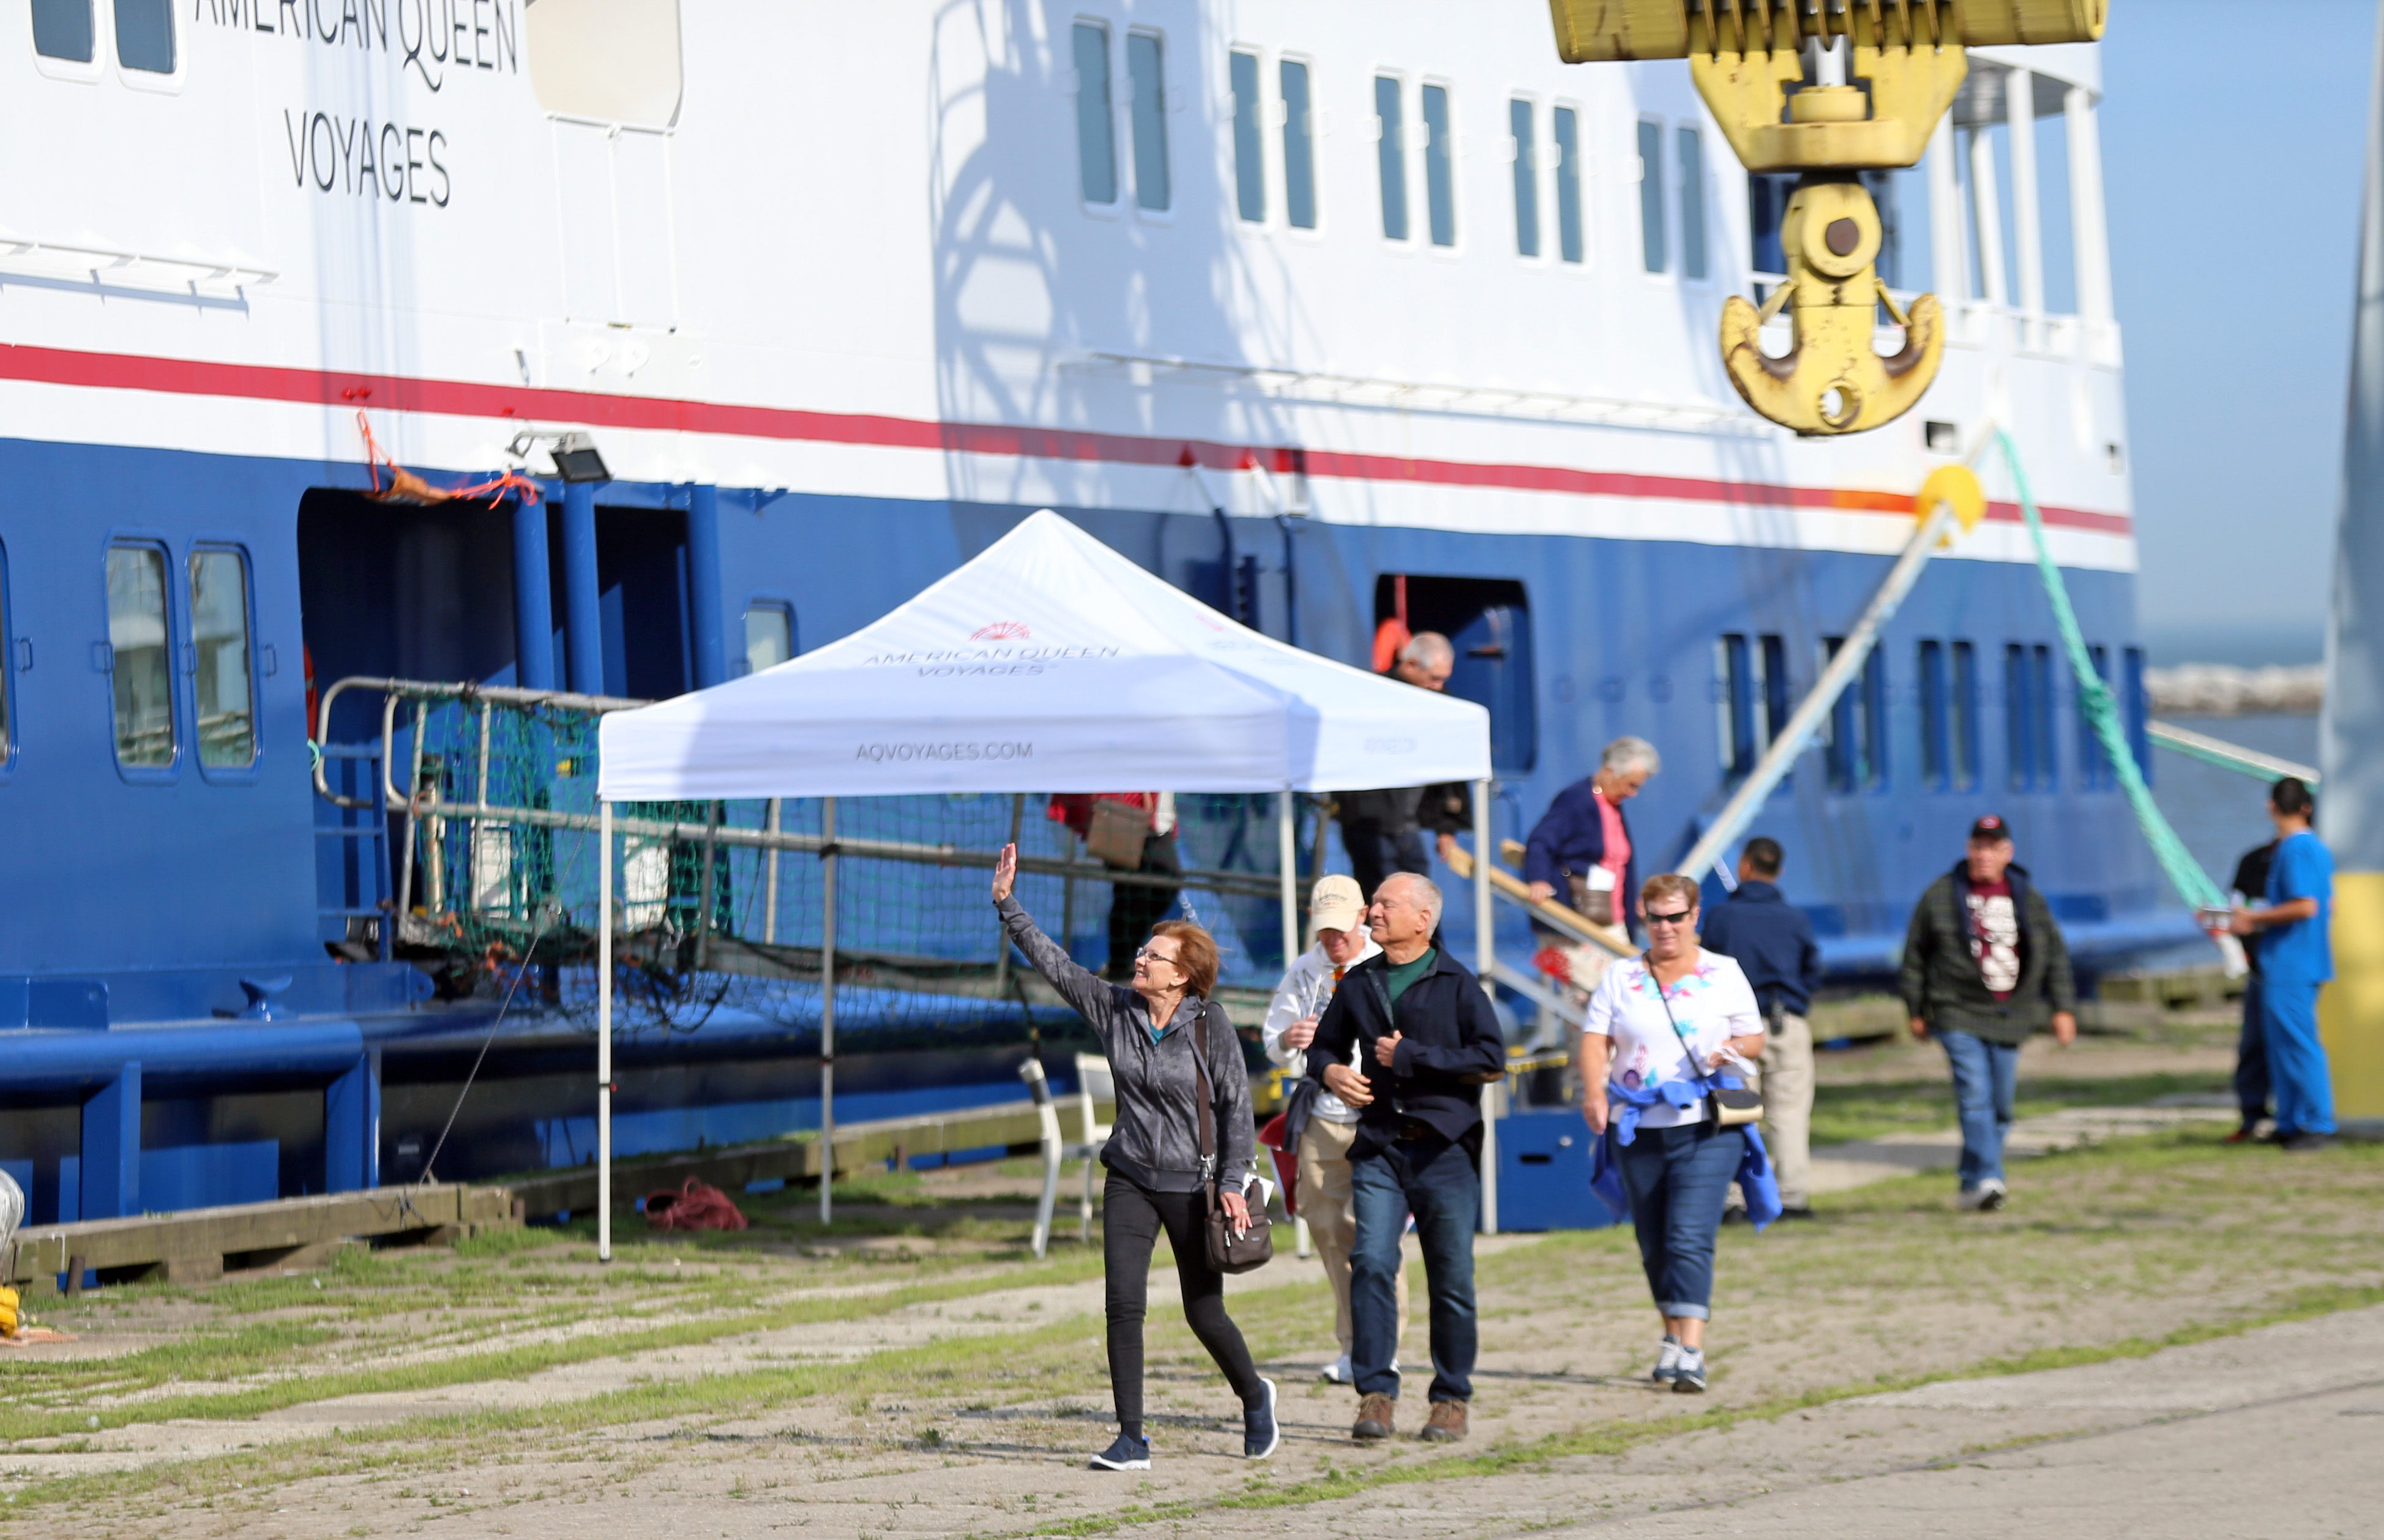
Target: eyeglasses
{"points": [[1679, 918], [1147, 955]]}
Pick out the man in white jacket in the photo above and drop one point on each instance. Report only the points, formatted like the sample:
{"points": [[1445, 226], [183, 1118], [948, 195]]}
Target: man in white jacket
{"points": [[1336, 911]]}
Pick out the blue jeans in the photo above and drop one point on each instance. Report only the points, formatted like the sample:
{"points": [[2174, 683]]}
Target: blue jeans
{"points": [[1678, 1179], [1433, 1179], [2296, 1057], [2252, 1058], [1986, 1077]]}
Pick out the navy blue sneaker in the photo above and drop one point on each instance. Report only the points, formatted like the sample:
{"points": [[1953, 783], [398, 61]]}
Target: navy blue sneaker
{"points": [[1126, 1453], [1261, 1431]]}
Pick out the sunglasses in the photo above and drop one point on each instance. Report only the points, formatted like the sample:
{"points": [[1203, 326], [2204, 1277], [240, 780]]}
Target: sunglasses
{"points": [[1680, 917]]}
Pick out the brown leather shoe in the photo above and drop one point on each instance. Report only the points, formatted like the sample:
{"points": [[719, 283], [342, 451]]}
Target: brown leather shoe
{"points": [[1374, 1413], [1446, 1424]]}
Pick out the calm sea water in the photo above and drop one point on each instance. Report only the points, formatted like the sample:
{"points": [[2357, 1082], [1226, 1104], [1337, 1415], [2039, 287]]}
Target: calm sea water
{"points": [[2220, 814]]}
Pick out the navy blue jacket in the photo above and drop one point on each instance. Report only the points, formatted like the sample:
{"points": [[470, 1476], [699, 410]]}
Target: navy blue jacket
{"points": [[1570, 838], [1771, 941], [1450, 1048]]}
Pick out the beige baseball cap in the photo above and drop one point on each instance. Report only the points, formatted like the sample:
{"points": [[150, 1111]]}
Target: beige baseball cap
{"points": [[1336, 903]]}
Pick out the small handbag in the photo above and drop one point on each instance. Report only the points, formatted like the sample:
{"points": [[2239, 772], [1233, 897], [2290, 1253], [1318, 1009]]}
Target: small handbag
{"points": [[1116, 832], [1726, 1106], [1230, 1250]]}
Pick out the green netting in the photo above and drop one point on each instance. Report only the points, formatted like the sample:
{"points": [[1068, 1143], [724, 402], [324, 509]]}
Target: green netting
{"points": [[2102, 710], [499, 873]]}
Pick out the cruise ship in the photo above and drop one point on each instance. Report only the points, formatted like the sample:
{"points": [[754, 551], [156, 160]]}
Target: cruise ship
{"points": [[749, 318]]}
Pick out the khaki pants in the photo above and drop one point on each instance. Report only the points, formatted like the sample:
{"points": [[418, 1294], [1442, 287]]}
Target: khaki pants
{"points": [[1788, 1108], [1325, 1202]]}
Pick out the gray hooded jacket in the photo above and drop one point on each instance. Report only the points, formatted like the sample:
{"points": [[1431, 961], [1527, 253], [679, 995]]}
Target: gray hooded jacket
{"points": [[1155, 1137]]}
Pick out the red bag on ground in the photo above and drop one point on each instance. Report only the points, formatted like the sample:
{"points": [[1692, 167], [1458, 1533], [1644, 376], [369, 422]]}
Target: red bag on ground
{"points": [[696, 1206]]}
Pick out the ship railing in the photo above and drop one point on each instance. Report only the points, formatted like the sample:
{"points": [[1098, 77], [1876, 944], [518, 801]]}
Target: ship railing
{"points": [[477, 863]]}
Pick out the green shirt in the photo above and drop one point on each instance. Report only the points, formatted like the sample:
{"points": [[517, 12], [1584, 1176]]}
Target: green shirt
{"points": [[1405, 973]]}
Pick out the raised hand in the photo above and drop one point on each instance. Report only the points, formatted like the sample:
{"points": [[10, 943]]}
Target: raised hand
{"points": [[1005, 873]]}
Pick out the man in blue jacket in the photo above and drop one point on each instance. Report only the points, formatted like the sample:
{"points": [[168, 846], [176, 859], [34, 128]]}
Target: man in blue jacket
{"points": [[1428, 1043], [1773, 943], [2296, 956]]}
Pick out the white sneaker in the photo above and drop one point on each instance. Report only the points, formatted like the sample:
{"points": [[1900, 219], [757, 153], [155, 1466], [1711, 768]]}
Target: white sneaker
{"points": [[1667, 1361], [1986, 1197], [1338, 1370]]}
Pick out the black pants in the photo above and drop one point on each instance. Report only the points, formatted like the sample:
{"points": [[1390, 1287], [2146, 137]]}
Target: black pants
{"points": [[1131, 1217], [2252, 1058], [1377, 850], [1134, 908]]}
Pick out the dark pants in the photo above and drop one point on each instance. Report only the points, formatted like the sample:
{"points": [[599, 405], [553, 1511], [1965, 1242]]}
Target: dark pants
{"points": [[1134, 908], [1376, 850], [1132, 1216], [1678, 1179], [2252, 1058], [1435, 1180]]}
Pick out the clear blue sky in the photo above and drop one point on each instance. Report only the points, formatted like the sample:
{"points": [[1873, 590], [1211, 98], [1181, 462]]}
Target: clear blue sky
{"points": [[2232, 146]]}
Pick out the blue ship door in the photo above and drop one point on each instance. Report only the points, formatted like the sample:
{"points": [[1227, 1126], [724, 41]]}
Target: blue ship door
{"points": [[1488, 621]]}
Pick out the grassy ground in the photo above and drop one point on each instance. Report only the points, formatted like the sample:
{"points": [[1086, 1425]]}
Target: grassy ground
{"points": [[950, 1373]]}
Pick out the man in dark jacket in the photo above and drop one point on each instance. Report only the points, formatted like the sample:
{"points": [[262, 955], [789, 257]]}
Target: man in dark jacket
{"points": [[1773, 943], [1985, 969], [1383, 829], [1429, 1042]]}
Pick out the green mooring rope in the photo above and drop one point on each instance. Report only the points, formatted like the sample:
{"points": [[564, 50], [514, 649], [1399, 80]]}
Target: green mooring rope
{"points": [[2095, 698]]}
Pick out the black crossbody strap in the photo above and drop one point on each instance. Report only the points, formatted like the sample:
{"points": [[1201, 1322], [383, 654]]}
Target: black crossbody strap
{"points": [[1688, 1046], [1208, 1111]]}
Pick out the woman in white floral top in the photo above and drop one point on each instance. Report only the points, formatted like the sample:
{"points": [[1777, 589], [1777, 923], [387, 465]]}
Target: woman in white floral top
{"points": [[1647, 1017]]}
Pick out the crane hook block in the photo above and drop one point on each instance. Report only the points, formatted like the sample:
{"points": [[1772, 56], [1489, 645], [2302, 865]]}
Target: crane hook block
{"points": [[1831, 380], [1744, 55]]}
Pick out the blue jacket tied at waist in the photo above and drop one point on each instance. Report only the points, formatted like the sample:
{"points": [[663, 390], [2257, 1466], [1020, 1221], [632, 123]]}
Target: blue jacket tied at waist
{"points": [[1755, 1180]]}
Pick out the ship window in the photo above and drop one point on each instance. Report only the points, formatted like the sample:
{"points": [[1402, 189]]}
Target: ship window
{"points": [[1146, 70], [1390, 158], [144, 35], [769, 635], [2041, 692], [1249, 154], [1766, 200], [1298, 148], [1651, 195], [1522, 126], [607, 61], [62, 30], [2030, 751], [1856, 755], [2132, 701], [1568, 137], [7, 670], [221, 677], [1096, 145], [1692, 204], [1737, 695], [1963, 719], [143, 677], [1936, 747], [1439, 166], [2020, 758], [2093, 762]]}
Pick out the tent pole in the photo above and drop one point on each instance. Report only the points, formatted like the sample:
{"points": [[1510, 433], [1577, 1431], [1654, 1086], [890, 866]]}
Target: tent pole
{"points": [[827, 1006], [1287, 860], [603, 1030], [1485, 958]]}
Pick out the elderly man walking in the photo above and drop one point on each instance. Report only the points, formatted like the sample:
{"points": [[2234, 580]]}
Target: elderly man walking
{"points": [[1985, 969], [1383, 829], [1426, 1043], [1320, 1126]]}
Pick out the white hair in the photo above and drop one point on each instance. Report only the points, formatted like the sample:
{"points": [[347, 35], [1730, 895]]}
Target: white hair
{"points": [[1426, 648], [1626, 754], [1430, 899]]}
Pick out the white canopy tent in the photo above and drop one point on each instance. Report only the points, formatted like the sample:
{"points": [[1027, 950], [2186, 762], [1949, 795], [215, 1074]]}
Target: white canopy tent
{"points": [[1049, 664]]}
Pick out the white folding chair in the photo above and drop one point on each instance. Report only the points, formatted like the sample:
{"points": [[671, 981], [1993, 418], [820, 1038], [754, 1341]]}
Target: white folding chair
{"points": [[1094, 1083]]}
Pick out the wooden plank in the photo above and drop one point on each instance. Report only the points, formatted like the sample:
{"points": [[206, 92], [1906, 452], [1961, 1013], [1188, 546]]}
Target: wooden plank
{"points": [[190, 1242]]}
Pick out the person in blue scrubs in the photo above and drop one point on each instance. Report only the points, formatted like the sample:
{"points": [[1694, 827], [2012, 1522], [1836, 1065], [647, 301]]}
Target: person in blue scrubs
{"points": [[2296, 956]]}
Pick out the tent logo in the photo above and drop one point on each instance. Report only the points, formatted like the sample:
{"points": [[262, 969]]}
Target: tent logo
{"points": [[1001, 630]]}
